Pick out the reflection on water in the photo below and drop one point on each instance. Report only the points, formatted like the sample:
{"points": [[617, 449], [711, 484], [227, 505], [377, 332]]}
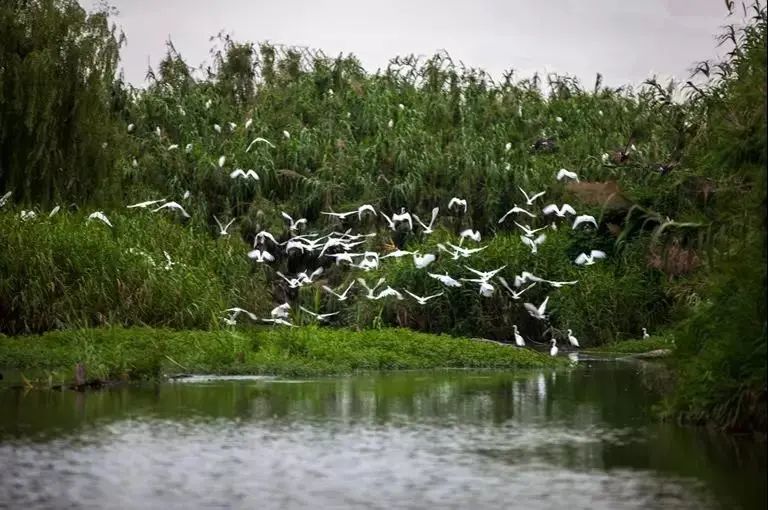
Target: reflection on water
{"points": [[581, 437]]}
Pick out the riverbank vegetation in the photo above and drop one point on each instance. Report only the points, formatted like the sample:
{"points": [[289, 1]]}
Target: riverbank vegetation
{"points": [[110, 354], [674, 175]]}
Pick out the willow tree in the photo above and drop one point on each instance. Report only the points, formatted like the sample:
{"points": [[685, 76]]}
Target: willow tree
{"points": [[57, 100]]}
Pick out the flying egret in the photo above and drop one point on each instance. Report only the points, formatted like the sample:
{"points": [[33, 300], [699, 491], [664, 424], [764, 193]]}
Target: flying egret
{"points": [[560, 212], [485, 275], [250, 174], [344, 295], [237, 311], [278, 320], [553, 350], [566, 174], [533, 243], [389, 292], [173, 205], [518, 337], [527, 231], [422, 261], [390, 223], [515, 294], [294, 225], [259, 238], [584, 218], [427, 229], [515, 209], [304, 278], [322, 317], [525, 276], [363, 208], [371, 290], [445, 279], [98, 215], [530, 199], [557, 285], [403, 216], [223, 229], [422, 300], [458, 251], [397, 254], [345, 257], [341, 216], [458, 202], [574, 341], [146, 204], [259, 140], [281, 311], [537, 313], [588, 260], [261, 256], [472, 234]]}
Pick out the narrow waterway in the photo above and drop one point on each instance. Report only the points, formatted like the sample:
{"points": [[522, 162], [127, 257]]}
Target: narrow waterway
{"points": [[582, 437]]}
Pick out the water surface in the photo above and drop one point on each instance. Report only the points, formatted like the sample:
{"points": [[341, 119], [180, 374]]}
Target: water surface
{"points": [[582, 437]]}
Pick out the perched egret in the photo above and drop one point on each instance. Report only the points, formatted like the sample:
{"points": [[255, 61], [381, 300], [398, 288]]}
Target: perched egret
{"points": [[217, 128], [287, 135], [645, 334], [173, 147], [572, 339], [248, 123], [553, 350], [519, 341], [222, 160]]}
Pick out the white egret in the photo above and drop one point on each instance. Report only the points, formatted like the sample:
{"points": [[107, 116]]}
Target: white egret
{"points": [[173, 147], [322, 317], [525, 276], [146, 204], [294, 225], [341, 216], [259, 140], [530, 199], [557, 285], [281, 311], [422, 300], [28, 215], [507, 146], [519, 341], [458, 202], [185, 195], [371, 290], [208, 104], [173, 205], [389, 292], [278, 320], [158, 132], [566, 174], [645, 334], [287, 135], [472, 234], [560, 212], [237, 311], [130, 127], [584, 218], [397, 254], [403, 216], [188, 148], [363, 208], [574, 341], [515, 294], [54, 211], [345, 257], [422, 261], [390, 223], [4, 199], [553, 350], [445, 280], [427, 229], [259, 238], [239, 172], [222, 160], [217, 128], [248, 123], [485, 275], [232, 126], [304, 278], [344, 295], [98, 215], [459, 252], [391, 124], [587, 260], [261, 256], [527, 231], [537, 313], [223, 229], [515, 210], [533, 243]]}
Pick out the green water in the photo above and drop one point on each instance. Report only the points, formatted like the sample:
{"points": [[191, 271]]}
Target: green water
{"points": [[582, 437]]}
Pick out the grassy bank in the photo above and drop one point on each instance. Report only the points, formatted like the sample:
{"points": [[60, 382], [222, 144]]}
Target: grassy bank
{"points": [[145, 353], [637, 346]]}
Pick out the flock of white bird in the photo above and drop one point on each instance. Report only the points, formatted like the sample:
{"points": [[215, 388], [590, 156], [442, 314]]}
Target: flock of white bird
{"points": [[339, 246]]}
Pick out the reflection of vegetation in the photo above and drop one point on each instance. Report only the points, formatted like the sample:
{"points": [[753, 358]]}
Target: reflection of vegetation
{"points": [[113, 353]]}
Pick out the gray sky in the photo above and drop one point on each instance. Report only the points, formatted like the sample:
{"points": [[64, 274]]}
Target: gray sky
{"points": [[625, 40]]}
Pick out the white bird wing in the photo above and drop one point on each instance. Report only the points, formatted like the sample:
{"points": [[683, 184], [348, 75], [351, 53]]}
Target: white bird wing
{"points": [[310, 312], [566, 208], [145, 204], [537, 195], [505, 284], [585, 218], [551, 208], [221, 228], [524, 194], [389, 220], [435, 210], [581, 259], [543, 306], [527, 241], [331, 291], [598, 254], [259, 139], [418, 220], [316, 272], [222, 160], [226, 227], [237, 173], [287, 217], [531, 309], [434, 296], [540, 239], [414, 296], [253, 174]]}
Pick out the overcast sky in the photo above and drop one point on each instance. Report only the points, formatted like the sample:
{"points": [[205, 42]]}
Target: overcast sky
{"points": [[625, 40]]}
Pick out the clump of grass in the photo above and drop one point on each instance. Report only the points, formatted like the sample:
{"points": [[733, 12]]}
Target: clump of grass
{"points": [[142, 353], [653, 343]]}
